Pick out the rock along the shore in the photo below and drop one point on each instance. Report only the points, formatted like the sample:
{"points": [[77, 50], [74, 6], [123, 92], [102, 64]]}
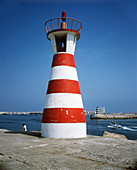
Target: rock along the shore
{"points": [[113, 135]]}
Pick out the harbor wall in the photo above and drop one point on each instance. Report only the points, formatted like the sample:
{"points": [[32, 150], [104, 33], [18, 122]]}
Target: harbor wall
{"points": [[114, 116]]}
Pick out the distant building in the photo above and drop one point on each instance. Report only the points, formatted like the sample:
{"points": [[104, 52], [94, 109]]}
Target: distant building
{"points": [[102, 110], [97, 110]]}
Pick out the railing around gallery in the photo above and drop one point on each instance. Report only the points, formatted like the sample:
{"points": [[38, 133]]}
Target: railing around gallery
{"points": [[55, 23]]}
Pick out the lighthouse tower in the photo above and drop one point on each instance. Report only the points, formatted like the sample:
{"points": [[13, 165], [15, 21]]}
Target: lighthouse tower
{"points": [[63, 114]]}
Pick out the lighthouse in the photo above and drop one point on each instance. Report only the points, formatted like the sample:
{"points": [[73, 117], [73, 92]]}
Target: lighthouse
{"points": [[63, 113]]}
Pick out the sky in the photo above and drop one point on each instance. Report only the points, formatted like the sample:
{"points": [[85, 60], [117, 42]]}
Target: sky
{"points": [[105, 55]]}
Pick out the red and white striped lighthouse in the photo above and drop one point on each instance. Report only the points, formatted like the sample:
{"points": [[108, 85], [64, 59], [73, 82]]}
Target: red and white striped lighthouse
{"points": [[63, 114]]}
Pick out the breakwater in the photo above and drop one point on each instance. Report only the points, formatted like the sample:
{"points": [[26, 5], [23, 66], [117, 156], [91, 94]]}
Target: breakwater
{"points": [[114, 116]]}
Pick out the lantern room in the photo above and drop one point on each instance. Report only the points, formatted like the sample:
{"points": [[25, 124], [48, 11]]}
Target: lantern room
{"points": [[63, 33]]}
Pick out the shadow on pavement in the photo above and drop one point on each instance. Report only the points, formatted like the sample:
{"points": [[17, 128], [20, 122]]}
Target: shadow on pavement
{"points": [[3, 167], [34, 133]]}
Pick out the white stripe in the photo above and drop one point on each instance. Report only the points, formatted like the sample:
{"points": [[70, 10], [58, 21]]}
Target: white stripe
{"points": [[53, 43], [63, 130], [63, 100], [63, 72], [71, 41], [63, 53]]}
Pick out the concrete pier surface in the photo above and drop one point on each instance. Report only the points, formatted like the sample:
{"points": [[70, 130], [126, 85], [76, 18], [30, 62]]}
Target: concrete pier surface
{"points": [[28, 151]]}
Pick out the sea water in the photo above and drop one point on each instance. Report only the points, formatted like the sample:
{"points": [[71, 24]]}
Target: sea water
{"points": [[98, 126], [94, 127]]}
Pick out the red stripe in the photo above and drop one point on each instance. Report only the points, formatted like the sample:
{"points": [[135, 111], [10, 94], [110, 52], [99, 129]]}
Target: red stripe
{"points": [[63, 59], [63, 86], [63, 115]]}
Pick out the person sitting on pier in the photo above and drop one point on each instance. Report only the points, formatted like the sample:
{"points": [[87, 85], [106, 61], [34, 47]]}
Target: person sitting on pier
{"points": [[24, 127]]}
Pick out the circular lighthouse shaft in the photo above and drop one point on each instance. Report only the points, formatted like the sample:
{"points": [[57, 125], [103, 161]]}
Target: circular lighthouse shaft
{"points": [[63, 114]]}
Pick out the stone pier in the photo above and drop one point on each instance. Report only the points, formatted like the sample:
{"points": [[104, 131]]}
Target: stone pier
{"points": [[28, 150]]}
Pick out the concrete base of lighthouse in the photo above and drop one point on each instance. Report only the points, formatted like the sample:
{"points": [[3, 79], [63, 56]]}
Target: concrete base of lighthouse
{"points": [[63, 130]]}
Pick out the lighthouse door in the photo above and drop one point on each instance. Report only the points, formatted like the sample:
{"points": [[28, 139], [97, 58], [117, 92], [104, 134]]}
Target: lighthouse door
{"points": [[61, 43]]}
